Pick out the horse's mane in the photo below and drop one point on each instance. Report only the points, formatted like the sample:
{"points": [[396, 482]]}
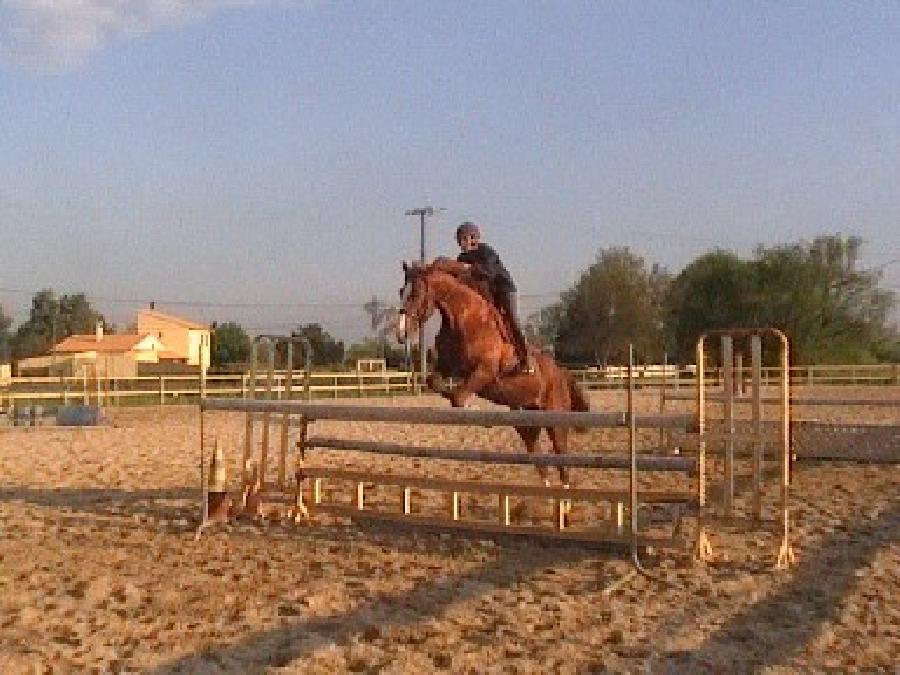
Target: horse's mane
{"points": [[466, 279]]}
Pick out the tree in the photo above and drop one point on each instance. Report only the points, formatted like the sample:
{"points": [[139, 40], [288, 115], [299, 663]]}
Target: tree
{"points": [[232, 344], [326, 351], [717, 290], [380, 314], [5, 337], [616, 302], [51, 320], [831, 311], [540, 327]]}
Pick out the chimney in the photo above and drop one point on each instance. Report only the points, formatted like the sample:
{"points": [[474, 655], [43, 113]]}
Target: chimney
{"points": [[99, 331]]}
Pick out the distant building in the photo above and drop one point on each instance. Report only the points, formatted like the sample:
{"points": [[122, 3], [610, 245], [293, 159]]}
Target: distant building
{"points": [[161, 343], [183, 338]]}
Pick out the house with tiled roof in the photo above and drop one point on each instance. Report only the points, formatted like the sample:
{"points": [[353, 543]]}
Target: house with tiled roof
{"points": [[161, 342]]}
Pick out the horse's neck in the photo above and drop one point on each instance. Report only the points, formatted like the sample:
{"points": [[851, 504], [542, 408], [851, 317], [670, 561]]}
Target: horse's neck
{"points": [[451, 297]]}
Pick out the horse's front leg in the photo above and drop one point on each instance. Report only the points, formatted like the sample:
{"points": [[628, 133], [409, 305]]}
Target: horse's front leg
{"points": [[472, 384], [438, 385]]}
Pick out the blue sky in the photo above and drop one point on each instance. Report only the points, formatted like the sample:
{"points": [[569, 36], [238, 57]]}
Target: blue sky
{"points": [[256, 158]]}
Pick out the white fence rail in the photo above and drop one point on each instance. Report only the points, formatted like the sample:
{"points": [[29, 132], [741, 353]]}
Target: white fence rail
{"points": [[168, 389]]}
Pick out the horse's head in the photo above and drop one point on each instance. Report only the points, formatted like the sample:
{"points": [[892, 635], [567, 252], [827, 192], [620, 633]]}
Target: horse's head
{"points": [[417, 299]]}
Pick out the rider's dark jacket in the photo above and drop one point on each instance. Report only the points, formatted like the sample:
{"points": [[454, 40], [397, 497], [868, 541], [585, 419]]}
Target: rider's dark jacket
{"points": [[488, 265]]}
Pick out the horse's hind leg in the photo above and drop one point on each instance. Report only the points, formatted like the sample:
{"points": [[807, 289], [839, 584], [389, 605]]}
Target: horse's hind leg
{"points": [[530, 436], [559, 437]]}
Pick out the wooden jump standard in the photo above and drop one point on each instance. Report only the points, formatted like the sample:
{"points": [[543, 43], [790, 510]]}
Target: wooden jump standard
{"points": [[306, 499]]}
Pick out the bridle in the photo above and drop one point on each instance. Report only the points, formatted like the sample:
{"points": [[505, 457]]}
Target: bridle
{"points": [[413, 314]]}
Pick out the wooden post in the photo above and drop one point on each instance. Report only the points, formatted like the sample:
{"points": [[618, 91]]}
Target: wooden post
{"points": [[248, 425], [756, 393], [286, 418], [300, 508], [407, 501], [504, 510], [455, 506], [202, 368], [162, 390], [632, 451], [702, 549], [317, 490], [266, 417], [360, 496], [786, 551], [728, 423], [662, 400]]}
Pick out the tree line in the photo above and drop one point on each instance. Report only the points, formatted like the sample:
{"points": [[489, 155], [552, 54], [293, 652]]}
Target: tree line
{"points": [[53, 317], [832, 311]]}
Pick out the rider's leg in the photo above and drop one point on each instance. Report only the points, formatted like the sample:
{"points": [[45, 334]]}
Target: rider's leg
{"points": [[508, 305]]}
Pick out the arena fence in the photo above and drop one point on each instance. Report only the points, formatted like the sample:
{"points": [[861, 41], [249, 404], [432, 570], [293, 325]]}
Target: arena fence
{"points": [[266, 490]]}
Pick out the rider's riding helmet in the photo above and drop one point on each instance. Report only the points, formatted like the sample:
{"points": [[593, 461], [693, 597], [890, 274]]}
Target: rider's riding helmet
{"points": [[467, 228]]}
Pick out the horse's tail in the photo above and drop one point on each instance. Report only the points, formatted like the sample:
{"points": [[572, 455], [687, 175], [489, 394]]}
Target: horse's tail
{"points": [[579, 400]]}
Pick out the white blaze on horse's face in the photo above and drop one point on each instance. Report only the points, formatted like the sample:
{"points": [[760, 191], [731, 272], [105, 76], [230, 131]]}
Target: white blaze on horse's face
{"points": [[401, 326], [406, 325]]}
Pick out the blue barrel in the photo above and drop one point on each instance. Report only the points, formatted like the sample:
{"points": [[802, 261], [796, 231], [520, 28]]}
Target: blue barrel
{"points": [[79, 415]]}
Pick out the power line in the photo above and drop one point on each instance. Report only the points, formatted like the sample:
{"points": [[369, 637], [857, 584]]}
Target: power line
{"points": [[201, 303]]}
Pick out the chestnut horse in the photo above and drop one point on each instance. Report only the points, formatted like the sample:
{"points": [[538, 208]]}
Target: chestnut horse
{"points": [[474, 347]]}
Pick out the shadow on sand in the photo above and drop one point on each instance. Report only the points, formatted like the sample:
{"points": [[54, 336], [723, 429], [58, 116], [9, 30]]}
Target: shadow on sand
{"points": [[779, 627]]}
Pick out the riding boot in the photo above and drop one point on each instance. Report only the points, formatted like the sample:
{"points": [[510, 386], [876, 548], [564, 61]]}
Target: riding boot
{"points": [[526, 363]]}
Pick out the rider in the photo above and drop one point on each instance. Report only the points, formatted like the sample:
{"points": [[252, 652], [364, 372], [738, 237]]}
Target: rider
{"points": [[484, 263]]}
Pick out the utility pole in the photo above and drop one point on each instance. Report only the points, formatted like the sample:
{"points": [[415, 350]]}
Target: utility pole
{"points": [[422, 213]]}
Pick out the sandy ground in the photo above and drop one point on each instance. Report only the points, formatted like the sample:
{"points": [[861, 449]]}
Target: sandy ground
{"points": [[99, 571]]}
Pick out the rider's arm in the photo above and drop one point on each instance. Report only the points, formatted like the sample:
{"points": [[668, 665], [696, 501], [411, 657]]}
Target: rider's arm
{"points": [[489, 264], [454, 267]]}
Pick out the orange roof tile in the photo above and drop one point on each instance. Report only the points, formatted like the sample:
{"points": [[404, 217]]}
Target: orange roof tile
{"points": [[108, 343], [162, 316]]}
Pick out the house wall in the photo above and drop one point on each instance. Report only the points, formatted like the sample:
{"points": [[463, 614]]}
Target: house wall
{"points": [[176, 337], [117, 365], [196, 338]]}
